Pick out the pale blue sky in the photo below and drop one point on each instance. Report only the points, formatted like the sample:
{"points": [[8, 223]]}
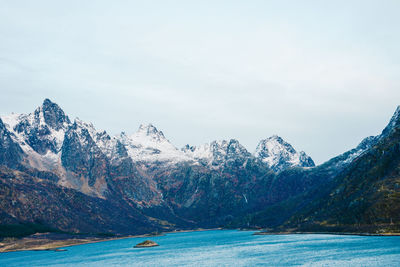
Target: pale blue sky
{"points": [[321, 74]]}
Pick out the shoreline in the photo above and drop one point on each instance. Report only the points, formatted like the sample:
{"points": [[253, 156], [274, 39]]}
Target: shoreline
{"points": [[326, 233], [28, 243]]}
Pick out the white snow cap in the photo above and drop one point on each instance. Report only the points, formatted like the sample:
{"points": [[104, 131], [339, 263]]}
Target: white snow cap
{"points": [[217, 152], [148, 132], [279, 154], [150, 144]]}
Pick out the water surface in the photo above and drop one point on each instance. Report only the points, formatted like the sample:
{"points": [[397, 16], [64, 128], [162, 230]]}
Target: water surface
{"points": [[222, 248]]}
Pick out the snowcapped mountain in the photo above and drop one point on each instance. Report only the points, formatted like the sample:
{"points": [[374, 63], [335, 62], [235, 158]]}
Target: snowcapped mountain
{"points": [[87, 159], [146, 175], [47, 137], [340, 162], [277, 154], [280, 155], [41, 131], [40, 135], [218, 153], [150, 145]]}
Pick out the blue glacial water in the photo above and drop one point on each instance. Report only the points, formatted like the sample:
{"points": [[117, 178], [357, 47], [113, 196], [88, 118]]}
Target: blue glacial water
{"points": [[222, 248]]}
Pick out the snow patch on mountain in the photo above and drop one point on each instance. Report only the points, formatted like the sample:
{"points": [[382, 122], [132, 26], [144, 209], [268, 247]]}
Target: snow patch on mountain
{"points": [[41, 135], [149, 144], [11, 120], [207, 154], [280, 155], [42, 130], [218, 152]]}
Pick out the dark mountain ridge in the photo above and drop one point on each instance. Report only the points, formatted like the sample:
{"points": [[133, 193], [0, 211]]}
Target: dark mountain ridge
{"points": [[361, 195], [67, 175]]}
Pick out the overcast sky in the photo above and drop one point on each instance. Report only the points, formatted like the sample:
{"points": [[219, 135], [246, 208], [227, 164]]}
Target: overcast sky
{"points": [[321, 74]]}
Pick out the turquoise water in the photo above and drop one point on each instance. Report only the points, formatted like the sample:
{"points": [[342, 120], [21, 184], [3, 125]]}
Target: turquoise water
{"points": [[222, 248]]}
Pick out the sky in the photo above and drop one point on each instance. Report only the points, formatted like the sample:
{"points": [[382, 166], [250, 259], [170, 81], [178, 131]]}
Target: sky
{"points": [[321, 74]]}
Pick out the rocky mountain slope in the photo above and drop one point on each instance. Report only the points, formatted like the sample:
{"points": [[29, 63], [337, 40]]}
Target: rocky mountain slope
{"points": [[195, 186], [148, 182], [366, 195], [29, 199], [280, 155], [357, 191]]}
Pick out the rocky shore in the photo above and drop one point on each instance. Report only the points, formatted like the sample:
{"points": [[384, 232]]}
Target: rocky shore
{"points": [[49, 241], [55, 241]]}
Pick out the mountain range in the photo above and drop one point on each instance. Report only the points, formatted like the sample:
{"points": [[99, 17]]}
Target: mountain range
{"points": [[69, 176]]}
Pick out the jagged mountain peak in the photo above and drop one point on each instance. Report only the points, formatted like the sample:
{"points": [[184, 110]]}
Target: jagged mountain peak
{"points": [[85, 131], [42, 130], [276, 137], [78, 123], [218, 152], [51, 114], [234, 147], [273, 145], [148, 127], [149, 144], [279, 154], [236, 151], [89, 127], [47, 103], [150, 131], [306, 160]]}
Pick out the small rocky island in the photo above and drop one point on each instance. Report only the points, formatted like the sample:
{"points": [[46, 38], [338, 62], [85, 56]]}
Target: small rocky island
{"points": [[146, 244]]}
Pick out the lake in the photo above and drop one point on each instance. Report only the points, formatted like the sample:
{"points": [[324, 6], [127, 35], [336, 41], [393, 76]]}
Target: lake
{"points": [[222, 248]]}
